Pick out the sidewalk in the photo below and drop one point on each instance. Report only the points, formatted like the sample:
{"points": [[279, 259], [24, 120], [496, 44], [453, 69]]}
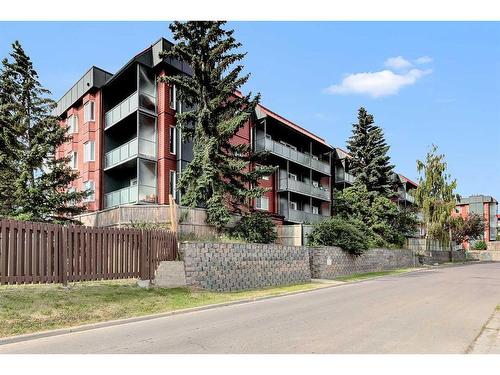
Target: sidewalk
{"points": [[488, 341]]}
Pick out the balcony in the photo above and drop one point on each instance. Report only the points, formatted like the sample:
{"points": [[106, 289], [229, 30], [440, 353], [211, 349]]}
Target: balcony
{"points": [[405, 196], [289, 184], [344, 177], [130, 150], [276, 148], [298, 216], [130, 195], [122, 110]]}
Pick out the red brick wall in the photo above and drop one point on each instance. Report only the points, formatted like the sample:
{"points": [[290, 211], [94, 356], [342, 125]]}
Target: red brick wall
{"points": [[166, 161], [91, 130]]}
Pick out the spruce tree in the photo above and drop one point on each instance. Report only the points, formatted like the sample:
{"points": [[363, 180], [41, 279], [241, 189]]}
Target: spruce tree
{"points": [[222, 177], [370, 163], [41, 180], [9, 143]]}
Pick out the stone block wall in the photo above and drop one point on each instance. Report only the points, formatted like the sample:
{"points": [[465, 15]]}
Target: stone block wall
{"points": [[332, 262], [229, 267]]}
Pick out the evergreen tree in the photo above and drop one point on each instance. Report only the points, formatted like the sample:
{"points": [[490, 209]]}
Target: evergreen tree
{"points": [[370, 162], [436, 196], [9, 133], [40, 185], [222, 176]]}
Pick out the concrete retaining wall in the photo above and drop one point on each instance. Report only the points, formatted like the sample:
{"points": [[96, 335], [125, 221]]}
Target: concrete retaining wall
{"points": [[228, 267], [332, 262], [485, 255]]}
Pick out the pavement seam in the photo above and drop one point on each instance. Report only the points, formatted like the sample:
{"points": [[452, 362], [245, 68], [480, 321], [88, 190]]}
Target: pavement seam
{"points": [[116, 322]]}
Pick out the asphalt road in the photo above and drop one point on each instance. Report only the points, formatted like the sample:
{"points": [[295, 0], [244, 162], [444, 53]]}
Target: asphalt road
{"points": [[432, 311]]}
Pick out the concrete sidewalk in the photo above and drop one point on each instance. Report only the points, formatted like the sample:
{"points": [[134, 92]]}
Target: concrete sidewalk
{"points": [[488, 341]]}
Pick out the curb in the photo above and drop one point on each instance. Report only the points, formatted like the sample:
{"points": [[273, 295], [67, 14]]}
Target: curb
{"points": [[112, 323]]}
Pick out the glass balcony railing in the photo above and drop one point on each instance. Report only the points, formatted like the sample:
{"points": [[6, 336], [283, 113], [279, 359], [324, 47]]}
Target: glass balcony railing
{"points": [[289, 184], [122, 110], [131, 149], [284, 151], [405, 196], [298, 216], [344, 177], [130, 195]]}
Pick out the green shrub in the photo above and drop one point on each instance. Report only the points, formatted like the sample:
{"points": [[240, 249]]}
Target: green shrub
{"points": [[256, 227], [345, 233], [480, 245]]}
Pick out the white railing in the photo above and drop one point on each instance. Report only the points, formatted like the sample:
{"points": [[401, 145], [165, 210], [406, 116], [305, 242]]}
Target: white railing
{"points": [[129, 150], [290, 184], [292, 154]]}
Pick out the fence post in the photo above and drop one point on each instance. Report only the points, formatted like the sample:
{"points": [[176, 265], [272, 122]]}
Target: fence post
{"points": [[63, 255]]}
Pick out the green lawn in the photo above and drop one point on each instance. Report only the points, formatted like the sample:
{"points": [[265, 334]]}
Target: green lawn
{"points": [[369, 275], [32, 308]]}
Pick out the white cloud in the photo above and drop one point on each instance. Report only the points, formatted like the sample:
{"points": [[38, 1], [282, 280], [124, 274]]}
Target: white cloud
{"points": [[398, 62], [423, 60], [377, 84]]}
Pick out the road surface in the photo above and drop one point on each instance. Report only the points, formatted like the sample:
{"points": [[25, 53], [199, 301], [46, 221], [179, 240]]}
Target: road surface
{"points": [[432, 311]]}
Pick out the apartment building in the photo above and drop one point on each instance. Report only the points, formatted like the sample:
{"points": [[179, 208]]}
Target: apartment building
{"points": [[485, 206], [128, 151], [343, 178]]}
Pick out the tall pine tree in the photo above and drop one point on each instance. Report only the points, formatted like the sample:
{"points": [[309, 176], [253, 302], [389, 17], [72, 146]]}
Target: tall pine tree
{"points": [[39, 188], [370, 163], [222, 176]]}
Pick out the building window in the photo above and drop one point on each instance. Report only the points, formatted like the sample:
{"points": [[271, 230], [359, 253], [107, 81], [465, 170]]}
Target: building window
{"points": [[88, 111], [71, 202], [315, 210], [89, 187], [173, 183], [293, 205], [262, 203], [72, 124], [172, 144], [173, 96], [89, 151], [74, 160]]}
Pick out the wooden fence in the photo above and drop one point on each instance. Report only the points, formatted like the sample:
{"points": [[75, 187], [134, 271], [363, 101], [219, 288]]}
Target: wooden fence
{"points": [[50, 253]]}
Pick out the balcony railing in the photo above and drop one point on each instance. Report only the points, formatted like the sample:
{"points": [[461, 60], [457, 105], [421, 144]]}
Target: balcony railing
{"points": [[403, 195], [289, 184], [130, 195], [121, 110], [276, 148], [130, 150], [302, 216], [344, 177]]}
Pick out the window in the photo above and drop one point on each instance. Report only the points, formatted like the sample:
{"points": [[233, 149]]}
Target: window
{"points": [[89, 151], [88, 111], [315, 210], [71, 202], [262, 203], [293, 205], [172, 144], [173, 96], [173, 183], [89, 187], [74, 160], [72, 124]]}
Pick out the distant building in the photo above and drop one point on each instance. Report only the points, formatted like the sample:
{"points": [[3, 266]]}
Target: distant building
{"points": [[483, 205]]}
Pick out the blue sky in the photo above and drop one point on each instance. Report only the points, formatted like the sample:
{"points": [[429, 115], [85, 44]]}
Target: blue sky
{"points": [[424, 82]]}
